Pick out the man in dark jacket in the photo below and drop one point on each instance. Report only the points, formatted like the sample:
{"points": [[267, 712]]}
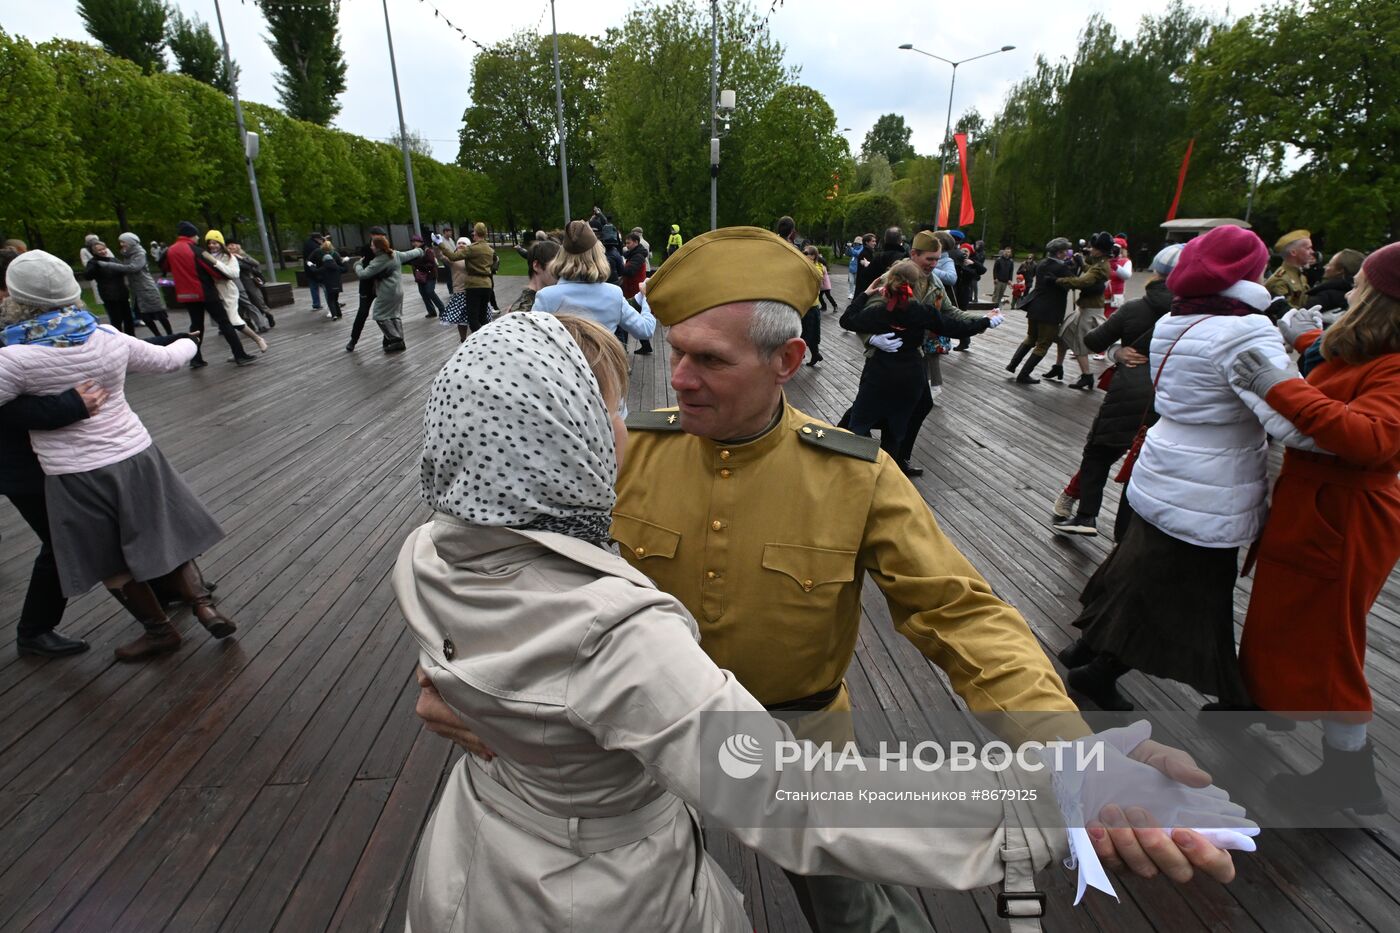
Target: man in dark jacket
{"points": [[891, 251], [1003, 268], [1127, 406], [612, 248], [312, 270], [1045, 311]]}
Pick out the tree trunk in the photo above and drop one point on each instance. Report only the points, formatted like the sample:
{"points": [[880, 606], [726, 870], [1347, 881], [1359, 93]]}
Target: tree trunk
{"points": [[276, 239], [121, 215]]}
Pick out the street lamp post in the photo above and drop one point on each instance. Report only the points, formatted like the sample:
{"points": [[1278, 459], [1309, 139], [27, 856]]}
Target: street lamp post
{"points": [[247, 151], [948, 123], [403, 130], [559, 105]]}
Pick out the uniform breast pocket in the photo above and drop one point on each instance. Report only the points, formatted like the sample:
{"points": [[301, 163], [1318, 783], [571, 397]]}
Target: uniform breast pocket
{"points": [[813, 572], [643, 540]]}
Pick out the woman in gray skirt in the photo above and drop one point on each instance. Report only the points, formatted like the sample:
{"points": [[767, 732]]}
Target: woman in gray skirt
{"points": [[119, 512]]}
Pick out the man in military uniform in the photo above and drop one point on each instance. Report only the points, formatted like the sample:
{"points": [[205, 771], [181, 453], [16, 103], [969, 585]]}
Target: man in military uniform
{"points": [[765, 522], [1289, 281], [1091, 284]]}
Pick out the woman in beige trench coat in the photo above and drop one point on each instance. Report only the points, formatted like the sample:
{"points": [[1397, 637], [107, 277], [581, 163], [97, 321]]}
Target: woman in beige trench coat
{"points": [[589, 685]]}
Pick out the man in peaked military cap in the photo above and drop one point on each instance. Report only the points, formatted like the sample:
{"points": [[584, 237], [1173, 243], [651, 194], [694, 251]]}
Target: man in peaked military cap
{"points": [[1288, 281], [764, 522]]}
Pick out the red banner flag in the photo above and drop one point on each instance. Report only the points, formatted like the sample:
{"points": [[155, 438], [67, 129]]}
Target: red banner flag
{"points": [[1181, 179], [965, 212], [945, 198]]}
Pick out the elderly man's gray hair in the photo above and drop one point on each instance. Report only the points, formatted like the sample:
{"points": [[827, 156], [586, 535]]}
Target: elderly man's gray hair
{"points": [[773, 325]]}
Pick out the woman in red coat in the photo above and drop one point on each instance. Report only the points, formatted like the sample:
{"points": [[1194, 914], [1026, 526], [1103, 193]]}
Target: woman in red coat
{"points": [[1332, 538]]}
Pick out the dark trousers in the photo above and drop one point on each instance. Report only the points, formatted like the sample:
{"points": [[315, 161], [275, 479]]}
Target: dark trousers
{"points": [[361, 315], [158, 323], [215, 309], [922, 406], [812, 330], [427, 290], [43, 602], [119, 313], [333, 302], [1094, 468]]}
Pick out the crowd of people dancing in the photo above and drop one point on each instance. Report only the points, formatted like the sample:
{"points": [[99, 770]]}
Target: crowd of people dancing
{"points": [[626, 621]]}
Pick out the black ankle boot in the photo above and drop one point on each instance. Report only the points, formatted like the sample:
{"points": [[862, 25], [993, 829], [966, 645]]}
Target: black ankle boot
{"points": [[1024, 377], [1018, 356], [1055, 372], [1086, 381], [1097, 681], [1076, 655], [1346, 780]]}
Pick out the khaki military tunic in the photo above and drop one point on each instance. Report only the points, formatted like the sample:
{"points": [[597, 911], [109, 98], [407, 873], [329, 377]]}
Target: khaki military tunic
{"points": [[768, 544], [1289, 282]]}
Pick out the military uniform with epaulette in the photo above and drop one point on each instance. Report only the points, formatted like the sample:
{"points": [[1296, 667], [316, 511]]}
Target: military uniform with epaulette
{"points": [[767, 541], [1289, 281]]}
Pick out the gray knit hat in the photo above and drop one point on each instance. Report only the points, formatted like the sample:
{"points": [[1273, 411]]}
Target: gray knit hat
{"points": [[41, 279], [1056, 245]]}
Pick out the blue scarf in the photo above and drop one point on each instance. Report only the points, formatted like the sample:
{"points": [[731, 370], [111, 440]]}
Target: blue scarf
{"points": [[62, 327]]}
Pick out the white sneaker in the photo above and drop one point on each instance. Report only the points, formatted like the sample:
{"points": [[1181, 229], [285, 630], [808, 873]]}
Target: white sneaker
{"points": [[329, 316], [1064, 506], [935, 391]]}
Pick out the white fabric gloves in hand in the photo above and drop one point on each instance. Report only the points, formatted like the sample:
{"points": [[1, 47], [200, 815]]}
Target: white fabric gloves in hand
{"points": [[1300, 321], [995, 320], [1125, 783], [886, 343]]}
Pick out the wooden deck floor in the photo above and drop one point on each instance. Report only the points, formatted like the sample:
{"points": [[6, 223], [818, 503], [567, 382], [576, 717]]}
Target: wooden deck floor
{"points": [[278, 781]]}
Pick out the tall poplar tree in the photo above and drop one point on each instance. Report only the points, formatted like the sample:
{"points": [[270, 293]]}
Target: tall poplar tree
{"points": [[130, 29], [305, 39]]}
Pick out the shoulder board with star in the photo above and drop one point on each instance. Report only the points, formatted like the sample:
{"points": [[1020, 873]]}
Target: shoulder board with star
{"points": [[839, 441], [663, 419]]}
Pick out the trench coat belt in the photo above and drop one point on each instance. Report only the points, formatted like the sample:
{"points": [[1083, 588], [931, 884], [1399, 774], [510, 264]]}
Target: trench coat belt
{"points": [[1325, 468], [584, 835]]}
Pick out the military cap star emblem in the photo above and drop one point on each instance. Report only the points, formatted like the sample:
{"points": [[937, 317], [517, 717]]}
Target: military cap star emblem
{"points": [[821, 434], [671, 419]]}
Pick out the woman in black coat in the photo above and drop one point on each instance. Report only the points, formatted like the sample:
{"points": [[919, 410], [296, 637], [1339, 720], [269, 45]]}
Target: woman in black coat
{"points": [[892, 382], [1338, 278], [1127, 405], [111, 288], [891, 251]]}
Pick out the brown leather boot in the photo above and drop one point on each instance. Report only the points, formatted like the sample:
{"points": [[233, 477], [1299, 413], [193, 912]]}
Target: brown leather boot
{"points": [[187, 581], [159, 637]]}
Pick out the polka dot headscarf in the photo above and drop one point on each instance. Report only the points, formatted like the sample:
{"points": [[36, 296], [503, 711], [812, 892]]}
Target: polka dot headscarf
{"points": [[517, 434]]}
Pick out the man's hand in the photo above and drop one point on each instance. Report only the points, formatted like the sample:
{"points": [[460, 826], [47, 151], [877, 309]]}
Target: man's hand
{"points": [[1133, 841], [93, 396], [439, 718]]}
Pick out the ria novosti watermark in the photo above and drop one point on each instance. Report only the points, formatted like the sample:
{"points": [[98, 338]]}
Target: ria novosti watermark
{"points": [[741, 756]]}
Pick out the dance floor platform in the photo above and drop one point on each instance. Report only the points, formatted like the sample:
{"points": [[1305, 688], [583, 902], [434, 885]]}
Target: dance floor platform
{"points": [[279, 780]]}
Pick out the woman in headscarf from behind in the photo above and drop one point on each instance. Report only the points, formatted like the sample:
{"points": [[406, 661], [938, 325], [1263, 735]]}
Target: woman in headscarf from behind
{"points": [[589, 687], [1163, 601]]}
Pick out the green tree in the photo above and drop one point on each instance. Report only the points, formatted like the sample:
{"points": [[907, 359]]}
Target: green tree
{"points": [[792, 156], [869, 212], [510, 130], [134, 133], [1310, 90], [220, 190], [880, 176], [47, 180], [197, 52], [653, 135], [888, 137], [130, 29], [305, 40]]}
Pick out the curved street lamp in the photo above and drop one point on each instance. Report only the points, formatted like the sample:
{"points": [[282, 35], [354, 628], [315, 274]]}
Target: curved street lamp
{"points": [[948, 123]]}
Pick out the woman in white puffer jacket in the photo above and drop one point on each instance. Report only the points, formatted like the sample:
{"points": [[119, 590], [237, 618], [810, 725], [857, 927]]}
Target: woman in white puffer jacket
{"points": [[1162, 602]]}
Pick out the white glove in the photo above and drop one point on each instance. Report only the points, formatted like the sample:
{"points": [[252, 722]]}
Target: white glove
{"points": [[886, 343], [1298, 322], [995, 320], [1083, 794], [437, 239]]}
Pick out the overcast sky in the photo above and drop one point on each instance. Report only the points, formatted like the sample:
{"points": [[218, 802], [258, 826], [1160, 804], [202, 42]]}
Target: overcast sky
{"points": [[847, 51]]}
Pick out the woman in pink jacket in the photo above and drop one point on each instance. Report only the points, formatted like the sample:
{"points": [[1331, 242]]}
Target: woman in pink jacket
{"points": [[119, 512]]}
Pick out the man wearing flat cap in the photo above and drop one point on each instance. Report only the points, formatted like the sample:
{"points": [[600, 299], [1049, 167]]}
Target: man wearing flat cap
{"points": [[765, 522], [1289, 280]]}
